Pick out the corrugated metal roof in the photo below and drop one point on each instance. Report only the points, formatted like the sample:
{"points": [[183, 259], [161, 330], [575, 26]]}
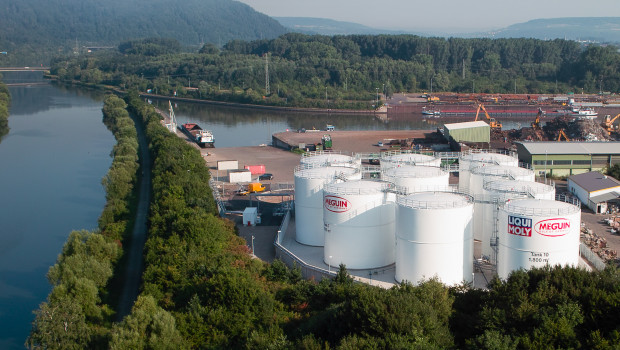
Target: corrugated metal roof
{"points": [[466, 125], [594, 181], [605, 197], [573, 147]]}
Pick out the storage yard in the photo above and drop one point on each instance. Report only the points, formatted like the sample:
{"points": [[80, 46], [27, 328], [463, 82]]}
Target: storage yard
{"points": [[500, 201]]}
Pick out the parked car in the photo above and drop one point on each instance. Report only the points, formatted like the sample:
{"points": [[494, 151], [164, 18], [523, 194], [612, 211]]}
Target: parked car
{"points": [[266, 176]]}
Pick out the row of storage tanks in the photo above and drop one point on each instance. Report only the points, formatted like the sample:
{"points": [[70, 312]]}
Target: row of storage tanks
{"points": [[414, 219]]}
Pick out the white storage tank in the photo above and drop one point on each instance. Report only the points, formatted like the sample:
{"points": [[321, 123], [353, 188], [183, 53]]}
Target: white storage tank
{"points": [[309, 200], [489, 171], [393, 159], [410, 179], [536, 233], [434, 237], [358, 221], [323, 159], [496, 193], [469, 160]]}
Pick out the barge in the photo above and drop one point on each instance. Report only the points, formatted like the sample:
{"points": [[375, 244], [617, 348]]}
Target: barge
{"points": [[204, 138]]}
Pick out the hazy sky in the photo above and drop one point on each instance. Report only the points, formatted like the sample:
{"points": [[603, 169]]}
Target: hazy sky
{"points": [[436, 15]]}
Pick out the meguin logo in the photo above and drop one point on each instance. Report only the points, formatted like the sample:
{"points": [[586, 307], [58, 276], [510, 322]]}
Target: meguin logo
{"points": [[336, 204], [553, 227], [519, 226]]}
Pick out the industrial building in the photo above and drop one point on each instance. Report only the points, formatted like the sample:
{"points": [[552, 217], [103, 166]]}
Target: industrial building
{"points": [[476, 132], [595, 190], [568, 158]]}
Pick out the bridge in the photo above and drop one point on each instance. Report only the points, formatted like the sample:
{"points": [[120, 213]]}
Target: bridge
{"points": [[24, 69]]}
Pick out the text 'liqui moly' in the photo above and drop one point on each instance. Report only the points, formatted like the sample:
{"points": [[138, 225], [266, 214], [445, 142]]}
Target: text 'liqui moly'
{"points": [[519, 226]]}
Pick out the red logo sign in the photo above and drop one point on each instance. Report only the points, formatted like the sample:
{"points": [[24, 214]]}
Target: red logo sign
{"points": [[553, 227], [336, 204], [519, 226]]}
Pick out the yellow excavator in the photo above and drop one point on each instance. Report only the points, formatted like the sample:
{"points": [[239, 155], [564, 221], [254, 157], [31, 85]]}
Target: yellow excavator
{"points": [[492, 122], [608, 124], [563, 134], [536, 123]]}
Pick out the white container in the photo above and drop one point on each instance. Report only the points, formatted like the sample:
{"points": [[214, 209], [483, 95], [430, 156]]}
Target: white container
{"points": [[470, 160], [496, 193], [434, 237], [393, 159], [358, 221], [323, 159], [235, 176], [227, 164], [536, 233], [309, 200], [409, 179]]}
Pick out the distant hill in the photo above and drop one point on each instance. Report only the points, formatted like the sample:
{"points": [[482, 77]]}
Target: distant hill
{"points": [[324, 26], [601, 29], [39, 24]]}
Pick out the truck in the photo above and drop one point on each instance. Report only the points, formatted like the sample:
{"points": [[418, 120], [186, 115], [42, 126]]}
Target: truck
{"points": [[253, 187]]}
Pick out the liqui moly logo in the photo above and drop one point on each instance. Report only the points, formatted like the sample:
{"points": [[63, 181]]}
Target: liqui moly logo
{"points": [[553, 227], [336, 204], [519, 226]]}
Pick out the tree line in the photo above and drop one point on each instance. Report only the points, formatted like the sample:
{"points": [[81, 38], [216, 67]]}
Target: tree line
{"points": [[348, 72], [201, 288], [5, 101]]}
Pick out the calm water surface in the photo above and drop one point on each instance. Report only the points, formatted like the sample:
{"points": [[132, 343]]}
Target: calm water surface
{"points": [[52, 162]]}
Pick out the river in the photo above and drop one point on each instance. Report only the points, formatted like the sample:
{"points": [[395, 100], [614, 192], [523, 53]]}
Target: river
{"points": [[52, 160]]}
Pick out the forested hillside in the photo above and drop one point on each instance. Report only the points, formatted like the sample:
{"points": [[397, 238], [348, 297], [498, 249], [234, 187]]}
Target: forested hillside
{"points": [[32, 30], [348, 71], [601, 29], [5, 99]]}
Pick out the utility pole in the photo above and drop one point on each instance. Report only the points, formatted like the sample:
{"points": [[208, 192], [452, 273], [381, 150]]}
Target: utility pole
{"points": [[267, 73], [463, 69]]}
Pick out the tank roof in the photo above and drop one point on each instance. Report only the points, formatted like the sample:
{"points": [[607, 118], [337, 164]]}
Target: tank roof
{"points": [[414, 171], [517, 186], [494, 169], [540, 207], [327, 172], [409, 157], [435, 200]]}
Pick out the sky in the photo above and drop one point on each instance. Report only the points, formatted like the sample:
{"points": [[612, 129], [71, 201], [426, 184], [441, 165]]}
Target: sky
{"points": [[436, 15]]}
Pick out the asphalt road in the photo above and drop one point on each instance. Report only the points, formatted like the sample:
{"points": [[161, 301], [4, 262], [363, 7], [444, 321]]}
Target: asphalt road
{"points": [[133, 270]]}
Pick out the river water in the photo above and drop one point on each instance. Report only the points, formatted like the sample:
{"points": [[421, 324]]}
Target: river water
{"points": [[52, 162]]}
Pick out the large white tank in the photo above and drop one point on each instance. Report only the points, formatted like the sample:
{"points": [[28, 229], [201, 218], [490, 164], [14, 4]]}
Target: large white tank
{"points": [[309, 185], [393, 159], [409, 179], [359, 224], [488, 171], [496, 193], [323, 158], [471, 159], [434, 237], [536, 233]]}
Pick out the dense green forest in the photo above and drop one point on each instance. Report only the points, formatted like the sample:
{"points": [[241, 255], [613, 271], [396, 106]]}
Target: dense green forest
{"points": [[35, 30], [201, 288], [349, 71], [5, 101]]}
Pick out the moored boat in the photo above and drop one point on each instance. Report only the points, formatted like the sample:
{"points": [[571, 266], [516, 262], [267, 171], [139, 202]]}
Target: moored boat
{"points": [[204, 138]]}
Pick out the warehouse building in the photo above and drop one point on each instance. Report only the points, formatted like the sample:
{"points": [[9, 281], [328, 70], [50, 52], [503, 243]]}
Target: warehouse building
{"points": [[475, 132], [568, 158], [595, 190]]}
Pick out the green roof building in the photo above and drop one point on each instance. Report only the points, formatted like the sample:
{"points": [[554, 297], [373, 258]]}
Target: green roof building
{"points": [[477, 131]]}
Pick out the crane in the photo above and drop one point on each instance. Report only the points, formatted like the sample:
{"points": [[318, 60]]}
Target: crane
{"points": [[562, 133], [492, 122], [536, 123], [608, 124]]}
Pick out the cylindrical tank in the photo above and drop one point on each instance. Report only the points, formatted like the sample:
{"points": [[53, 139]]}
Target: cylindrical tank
{"points": [[434, 237], [496, 193], [409, 179], [322, 159], [537, 232], [469, 160], [498, 172], [309, 185], [391, 159], [358, 221]]}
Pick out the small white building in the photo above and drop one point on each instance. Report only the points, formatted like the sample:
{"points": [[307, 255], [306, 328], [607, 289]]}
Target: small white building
{"points": [[594, 190], [250, 216]]}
